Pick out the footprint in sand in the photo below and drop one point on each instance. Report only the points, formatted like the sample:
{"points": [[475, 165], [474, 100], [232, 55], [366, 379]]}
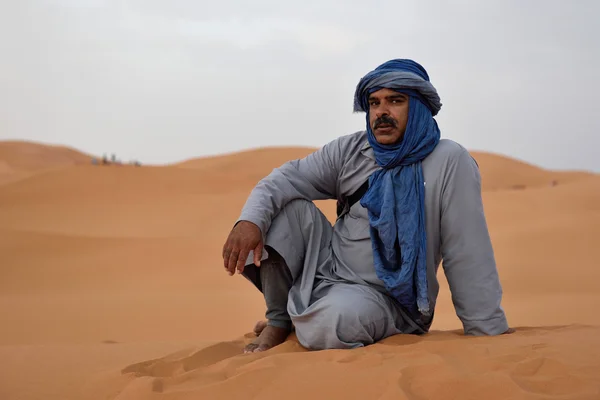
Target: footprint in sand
{"points": [[169, 367], [550, 377]]}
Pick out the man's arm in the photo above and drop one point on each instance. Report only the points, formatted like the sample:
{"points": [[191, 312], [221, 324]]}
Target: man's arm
{"points": [[468, 256], [313, 177]]}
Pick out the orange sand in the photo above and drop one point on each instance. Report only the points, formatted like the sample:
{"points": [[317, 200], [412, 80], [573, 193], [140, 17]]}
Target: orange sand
{"points": [[112, 287]]}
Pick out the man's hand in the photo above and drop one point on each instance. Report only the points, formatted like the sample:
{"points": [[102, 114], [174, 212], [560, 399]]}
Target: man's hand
{"points": [[244, 237]]}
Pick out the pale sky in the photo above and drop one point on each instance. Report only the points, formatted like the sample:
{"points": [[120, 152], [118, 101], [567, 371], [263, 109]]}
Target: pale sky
{"points": [[163, 81]]}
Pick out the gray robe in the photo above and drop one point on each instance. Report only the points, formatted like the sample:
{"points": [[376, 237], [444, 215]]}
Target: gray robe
{"points": [[337, 300]]}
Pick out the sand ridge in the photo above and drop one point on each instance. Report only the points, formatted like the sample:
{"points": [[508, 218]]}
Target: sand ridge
{"points": [[112, 287], [534, 363]]}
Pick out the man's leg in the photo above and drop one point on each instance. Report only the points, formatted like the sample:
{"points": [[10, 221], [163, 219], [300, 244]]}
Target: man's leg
{"points": [[298, 239], [274, 279]]}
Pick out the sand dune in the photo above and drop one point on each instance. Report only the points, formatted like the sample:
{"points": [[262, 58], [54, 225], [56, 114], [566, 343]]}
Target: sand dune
{"points": [[254, 158], [19, 159], [498, 172], [502, 173], [112, 287]]}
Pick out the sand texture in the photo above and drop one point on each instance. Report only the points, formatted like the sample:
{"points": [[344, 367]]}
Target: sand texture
{"points": [[112, 287]]}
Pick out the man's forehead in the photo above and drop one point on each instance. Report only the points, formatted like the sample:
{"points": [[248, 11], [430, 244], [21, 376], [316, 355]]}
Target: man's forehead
{"points": [[385, 93]]}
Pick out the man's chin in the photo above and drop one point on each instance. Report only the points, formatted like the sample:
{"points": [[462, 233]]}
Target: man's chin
{"points": [[387, 139]]}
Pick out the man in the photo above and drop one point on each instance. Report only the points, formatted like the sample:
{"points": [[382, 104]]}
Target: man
{"points": [[406, 201]]}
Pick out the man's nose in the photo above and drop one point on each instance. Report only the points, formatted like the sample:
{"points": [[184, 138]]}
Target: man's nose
{"points": [[382, 110]]}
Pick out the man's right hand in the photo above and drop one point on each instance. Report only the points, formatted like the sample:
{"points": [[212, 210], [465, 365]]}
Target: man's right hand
{"points": [[244, 237]]}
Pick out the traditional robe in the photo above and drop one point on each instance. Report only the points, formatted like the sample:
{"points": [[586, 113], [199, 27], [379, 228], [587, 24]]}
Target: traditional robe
{"points": [[336, 300]]}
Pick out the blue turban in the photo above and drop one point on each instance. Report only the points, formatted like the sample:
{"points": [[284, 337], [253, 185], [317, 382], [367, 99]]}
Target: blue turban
{"points": [[395, 200]]}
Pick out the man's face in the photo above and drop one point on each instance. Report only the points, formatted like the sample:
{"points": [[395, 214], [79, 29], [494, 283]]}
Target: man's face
{"points": [[388, 115]]}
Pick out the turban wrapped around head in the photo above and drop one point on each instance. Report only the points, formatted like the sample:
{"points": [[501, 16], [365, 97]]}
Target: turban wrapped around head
{"points": [[397, 75]]}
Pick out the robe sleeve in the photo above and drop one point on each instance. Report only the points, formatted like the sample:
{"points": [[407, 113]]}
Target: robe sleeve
{"points": [[468, 256], [313, 177]]}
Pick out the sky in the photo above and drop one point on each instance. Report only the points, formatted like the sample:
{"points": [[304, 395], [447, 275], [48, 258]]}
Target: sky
{"points": [[164, 81]]}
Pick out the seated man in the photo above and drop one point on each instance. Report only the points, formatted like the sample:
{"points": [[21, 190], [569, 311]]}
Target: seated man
{"points": [[406, 201]]}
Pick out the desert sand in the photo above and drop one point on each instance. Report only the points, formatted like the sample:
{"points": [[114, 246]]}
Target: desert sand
{"points": [[112, 287]]}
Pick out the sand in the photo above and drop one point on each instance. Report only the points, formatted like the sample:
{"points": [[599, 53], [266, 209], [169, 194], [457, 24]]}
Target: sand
{"points": [[112, 287]]}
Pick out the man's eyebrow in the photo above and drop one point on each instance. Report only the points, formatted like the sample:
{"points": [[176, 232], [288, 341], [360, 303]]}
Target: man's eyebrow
{"points": [[392, 96]]}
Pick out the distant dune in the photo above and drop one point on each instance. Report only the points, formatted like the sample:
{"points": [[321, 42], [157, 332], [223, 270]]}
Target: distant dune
{"points": [[269, 156], [498, 172], [250, 164], [112, 287], [20, 158], [501, 172]]}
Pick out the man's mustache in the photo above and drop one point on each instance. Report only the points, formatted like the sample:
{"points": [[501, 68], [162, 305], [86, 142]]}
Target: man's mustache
{"points": [[384, 120]]}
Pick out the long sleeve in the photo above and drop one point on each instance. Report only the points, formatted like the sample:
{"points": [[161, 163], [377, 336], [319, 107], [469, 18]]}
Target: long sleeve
{"points": [[313, 177], [468, 256]]}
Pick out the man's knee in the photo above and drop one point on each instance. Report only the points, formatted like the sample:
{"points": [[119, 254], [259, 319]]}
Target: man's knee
{"points": [[342, 322], [300, 207], [292, 216], [295, 226]]}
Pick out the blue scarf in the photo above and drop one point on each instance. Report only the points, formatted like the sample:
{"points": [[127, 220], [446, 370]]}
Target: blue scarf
{"points": [[395, 200]]}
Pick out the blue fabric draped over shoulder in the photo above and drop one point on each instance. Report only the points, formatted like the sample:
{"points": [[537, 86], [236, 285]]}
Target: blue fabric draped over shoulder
{"points": [[395, 200]]}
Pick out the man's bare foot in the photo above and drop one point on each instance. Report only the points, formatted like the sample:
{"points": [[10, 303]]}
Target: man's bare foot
{"points": [[269, 337]]}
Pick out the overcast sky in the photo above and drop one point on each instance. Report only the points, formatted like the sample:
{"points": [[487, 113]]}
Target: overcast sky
{"points": [[166, 80]]}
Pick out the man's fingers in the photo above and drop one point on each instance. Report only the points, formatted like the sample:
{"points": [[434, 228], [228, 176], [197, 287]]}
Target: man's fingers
{"points": [[225, 246], [233, 258], [258, 253], [241, 262], [226, 254], [227, 249]]}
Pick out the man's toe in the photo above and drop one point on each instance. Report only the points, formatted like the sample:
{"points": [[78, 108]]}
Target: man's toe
{"points": [[251, 348], [262, 347]]}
